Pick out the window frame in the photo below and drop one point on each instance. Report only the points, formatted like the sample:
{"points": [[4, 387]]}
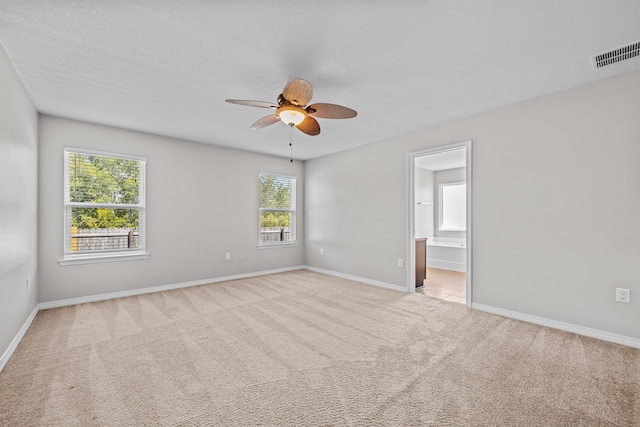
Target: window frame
{"points": [[441, 205], [69, 257], [292, 211]]}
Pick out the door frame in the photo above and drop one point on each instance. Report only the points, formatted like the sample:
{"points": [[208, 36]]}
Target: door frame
{"points": [[411, 204]]}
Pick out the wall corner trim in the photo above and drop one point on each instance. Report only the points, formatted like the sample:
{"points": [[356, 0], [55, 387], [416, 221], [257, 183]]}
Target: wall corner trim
{"points": [[161, 288], [14, 344], [357, 278], [563, 326]]}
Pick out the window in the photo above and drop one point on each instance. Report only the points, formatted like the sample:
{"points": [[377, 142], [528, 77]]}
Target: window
{"points": [[453, 207], [104, 206], [277, 210]]}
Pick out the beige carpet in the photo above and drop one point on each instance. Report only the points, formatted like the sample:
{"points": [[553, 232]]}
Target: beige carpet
{"points": [[305, 349]]}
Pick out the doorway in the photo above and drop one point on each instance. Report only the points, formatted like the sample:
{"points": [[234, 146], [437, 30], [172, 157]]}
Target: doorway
{"points": [[439, 217]]}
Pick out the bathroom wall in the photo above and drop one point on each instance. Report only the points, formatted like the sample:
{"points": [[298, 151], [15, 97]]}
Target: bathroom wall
{"points": [[424, 192]]}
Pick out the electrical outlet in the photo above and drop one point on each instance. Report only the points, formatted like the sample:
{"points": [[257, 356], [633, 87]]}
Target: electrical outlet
{"points": [[321, 251], [400, 263], [227, 256], [623, 295]]}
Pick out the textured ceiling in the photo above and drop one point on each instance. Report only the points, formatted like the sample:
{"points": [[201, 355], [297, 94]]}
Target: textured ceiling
{"points": [[166, 66]]}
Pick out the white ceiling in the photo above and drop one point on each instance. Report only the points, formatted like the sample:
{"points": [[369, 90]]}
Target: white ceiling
{"points": [[166, 66], [443, 160]]}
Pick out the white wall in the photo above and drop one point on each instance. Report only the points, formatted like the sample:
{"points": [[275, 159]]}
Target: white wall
{"points": [[424, 192], [444, 177], [18, 198], [556, 199], [202, 201], [355, 211]]}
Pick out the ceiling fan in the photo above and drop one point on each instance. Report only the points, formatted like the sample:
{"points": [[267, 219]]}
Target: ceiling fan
{"points": [[292, 110]]}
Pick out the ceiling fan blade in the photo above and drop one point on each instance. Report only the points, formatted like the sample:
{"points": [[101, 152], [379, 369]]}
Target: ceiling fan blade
{"points": [[265, 121], [298, 92], [331, 111], [309, 126], [261, 104]]}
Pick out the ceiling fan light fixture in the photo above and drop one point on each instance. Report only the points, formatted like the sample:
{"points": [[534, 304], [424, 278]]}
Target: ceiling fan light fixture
{"points": [[291, 109], [291, 115]]}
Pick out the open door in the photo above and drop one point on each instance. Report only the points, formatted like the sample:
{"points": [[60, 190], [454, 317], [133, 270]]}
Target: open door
{"points": [[439, 238]]}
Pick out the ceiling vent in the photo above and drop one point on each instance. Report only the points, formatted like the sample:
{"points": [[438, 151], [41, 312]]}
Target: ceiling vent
{"points": [[623, 53]]}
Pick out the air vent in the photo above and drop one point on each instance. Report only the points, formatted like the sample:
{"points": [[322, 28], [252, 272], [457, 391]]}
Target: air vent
{"points": [[616, 55]]}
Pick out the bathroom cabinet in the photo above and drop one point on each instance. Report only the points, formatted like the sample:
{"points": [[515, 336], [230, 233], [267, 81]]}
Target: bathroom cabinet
{"points": [[421, 261]]}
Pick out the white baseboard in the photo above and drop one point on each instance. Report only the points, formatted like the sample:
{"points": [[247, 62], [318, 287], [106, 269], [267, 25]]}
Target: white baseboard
{"points": [[357, 279], [569, 327], [14, 344], [102, 297], [142, 291], [111, 295], [563, 326], [447, 265]]}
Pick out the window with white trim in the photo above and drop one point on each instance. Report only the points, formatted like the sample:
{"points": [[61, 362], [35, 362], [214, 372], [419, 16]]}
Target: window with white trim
{"points": [[277, 210], [104, 205], [453, 206]]}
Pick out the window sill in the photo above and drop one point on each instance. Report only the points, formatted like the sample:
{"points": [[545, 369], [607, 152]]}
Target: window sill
{"points": [[96, 258], [278, 245]]}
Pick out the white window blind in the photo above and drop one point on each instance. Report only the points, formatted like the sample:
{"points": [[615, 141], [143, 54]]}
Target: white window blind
{"points": [[277, 209], [104, 202]]}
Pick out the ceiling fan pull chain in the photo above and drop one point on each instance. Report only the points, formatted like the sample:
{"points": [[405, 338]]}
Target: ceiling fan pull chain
{"points": [[291, 140]]}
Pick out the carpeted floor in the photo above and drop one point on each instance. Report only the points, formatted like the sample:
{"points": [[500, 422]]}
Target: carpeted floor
{"points": [[305, 349]]}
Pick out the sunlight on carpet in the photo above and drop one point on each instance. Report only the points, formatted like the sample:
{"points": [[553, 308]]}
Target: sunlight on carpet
{"points": [[302, 348]]}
